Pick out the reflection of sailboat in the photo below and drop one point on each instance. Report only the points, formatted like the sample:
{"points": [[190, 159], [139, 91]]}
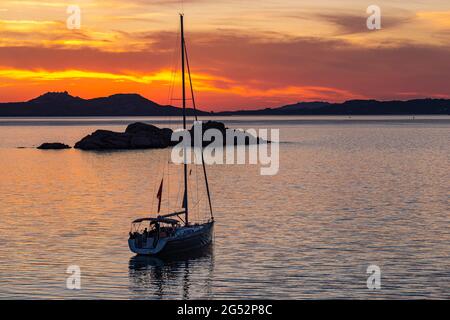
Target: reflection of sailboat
{"points": [[164, 274], [140, 262], [173, 233]]}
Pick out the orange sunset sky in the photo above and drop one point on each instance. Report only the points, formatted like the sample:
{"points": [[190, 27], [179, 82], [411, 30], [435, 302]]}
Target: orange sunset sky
{"points": [[243, 54]]}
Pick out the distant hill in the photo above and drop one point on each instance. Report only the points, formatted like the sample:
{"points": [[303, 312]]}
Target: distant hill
{"points": [[356, 107], [62, 104]]}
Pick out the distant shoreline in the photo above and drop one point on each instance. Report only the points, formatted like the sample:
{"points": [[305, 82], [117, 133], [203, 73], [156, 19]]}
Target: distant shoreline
{"points": [[234, 121], [62, 104], [215, 115]]}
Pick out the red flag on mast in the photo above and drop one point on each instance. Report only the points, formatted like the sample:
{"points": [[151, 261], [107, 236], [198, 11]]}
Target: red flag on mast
{"points": [[159, 195]]}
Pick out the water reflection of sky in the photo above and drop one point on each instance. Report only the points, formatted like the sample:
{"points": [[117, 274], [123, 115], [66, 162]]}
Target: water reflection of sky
{"points": [[347, 195]]}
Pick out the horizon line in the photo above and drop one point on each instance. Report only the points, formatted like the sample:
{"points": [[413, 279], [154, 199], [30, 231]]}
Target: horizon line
{"points": [[231, 110]]}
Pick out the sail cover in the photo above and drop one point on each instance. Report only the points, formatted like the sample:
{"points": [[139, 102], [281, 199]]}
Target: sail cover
{"points": [[184, 200], [159, 195]]}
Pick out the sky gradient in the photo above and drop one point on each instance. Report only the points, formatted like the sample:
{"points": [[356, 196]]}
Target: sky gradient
{"points": [[243, 54]]}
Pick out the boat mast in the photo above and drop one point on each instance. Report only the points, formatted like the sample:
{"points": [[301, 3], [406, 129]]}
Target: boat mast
{"points": [[185, 198]]}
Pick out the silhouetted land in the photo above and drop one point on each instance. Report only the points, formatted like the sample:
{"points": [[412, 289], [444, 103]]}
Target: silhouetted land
{"points": [[62, 104], [146, 136]]}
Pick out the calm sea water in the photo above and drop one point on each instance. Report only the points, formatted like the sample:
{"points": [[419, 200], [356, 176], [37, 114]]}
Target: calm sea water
{"points": [[349, 193]]}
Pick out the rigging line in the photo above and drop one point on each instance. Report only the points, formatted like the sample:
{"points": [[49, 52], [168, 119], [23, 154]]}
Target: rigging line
{"points": [[198, 194], [183, 79], [174, 64], [178, 198], [166, 167], [161, 157], [196, 178], [167, 164], [195, 204], [192, 148], [196, 119], [201, 148]]}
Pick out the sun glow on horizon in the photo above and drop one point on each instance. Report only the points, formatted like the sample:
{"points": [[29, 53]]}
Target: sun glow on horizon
{"points": [[243, 55]]}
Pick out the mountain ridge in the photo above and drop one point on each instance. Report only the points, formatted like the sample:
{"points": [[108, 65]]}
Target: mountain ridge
{"points": [[62, 104], [356, 107]]}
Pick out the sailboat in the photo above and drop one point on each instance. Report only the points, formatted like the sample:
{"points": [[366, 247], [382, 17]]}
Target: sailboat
{"points": [[173, 233]]}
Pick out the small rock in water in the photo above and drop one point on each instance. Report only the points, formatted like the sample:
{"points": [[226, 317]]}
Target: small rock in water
{"points": [[53, 146]]}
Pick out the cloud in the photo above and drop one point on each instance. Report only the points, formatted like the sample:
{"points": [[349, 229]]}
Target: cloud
{"points": [[352, 23], [439, 19], [54, 34], [245, 70], [30, 3]]}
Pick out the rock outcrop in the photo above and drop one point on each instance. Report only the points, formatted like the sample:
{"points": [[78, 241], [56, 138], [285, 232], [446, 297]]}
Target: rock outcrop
{"points": [[146, 136], [238, 137], [53, 146], [136, 136]]}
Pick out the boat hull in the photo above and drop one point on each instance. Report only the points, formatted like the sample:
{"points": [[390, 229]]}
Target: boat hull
{"points": [[187, 239]]}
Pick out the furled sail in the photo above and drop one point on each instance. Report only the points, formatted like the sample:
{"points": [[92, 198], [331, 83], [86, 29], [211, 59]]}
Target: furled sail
{"points": [[159, 195], [184, 200]]}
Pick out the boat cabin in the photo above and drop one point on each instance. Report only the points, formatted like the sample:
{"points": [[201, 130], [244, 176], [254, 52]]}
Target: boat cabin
{"points": [[159, 227]]}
